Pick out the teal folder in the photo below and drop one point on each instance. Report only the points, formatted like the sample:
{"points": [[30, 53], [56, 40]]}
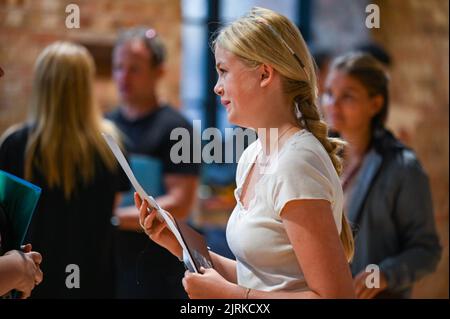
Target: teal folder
{"points": [[18, 200], [148, 171]]}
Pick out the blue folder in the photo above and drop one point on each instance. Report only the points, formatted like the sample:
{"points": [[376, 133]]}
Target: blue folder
{"points": [[18, 200], [148, 171]]}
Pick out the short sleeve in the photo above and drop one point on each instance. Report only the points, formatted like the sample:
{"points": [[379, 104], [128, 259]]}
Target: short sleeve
{"points": [[301, 175]]}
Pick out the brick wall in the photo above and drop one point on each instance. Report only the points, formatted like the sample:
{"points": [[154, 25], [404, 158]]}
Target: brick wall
{"points": [[416, 34], [27, 26]]}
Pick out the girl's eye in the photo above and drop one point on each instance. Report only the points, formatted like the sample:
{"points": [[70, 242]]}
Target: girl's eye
{"points": [[347, 97]]}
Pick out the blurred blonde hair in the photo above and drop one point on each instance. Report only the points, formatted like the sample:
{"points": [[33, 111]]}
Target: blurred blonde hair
{"points": [[266, 37], [65, 143]]}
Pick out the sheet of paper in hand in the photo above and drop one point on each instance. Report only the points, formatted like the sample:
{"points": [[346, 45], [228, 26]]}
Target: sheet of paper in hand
{"points": [[190, 254]]}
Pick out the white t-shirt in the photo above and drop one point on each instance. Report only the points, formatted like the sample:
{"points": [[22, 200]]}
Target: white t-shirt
{"points": [[257, 237]]}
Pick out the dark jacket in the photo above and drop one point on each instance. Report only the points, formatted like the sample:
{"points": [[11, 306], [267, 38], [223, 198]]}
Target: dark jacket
{"points": [[391, 211]]}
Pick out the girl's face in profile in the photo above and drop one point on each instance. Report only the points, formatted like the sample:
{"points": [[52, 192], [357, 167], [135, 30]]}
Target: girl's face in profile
{"points": [[347, 106], [237, 85]]}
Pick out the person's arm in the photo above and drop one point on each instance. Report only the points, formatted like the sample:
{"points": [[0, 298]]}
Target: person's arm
{"points": [[158, 231], [312, 231], [225, 267], [9, 273], [414, 218], [20, 271], [179, 199]]}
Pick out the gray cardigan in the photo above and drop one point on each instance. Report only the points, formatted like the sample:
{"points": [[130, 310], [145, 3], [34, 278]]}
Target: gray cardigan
{"points": [[392, 216]]}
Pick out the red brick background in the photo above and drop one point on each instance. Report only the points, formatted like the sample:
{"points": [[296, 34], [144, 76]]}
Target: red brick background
{"points": [[416, 34], [27, 26]]}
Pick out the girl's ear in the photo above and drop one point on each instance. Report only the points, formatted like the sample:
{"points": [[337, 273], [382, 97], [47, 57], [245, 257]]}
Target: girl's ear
{"points": [[160, 71], [377, 104], [266, 75]]}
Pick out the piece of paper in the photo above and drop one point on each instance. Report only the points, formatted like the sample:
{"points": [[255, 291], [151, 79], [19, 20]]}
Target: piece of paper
{"points": [[151, 201]]}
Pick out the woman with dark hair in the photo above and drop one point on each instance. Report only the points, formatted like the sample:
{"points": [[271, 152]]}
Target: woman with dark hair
{"points": [[387, 194]]}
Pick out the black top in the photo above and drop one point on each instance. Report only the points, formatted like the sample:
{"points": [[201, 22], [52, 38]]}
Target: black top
{"points": [[3, 229], [146, 270], [150, 135], [70, 232]]}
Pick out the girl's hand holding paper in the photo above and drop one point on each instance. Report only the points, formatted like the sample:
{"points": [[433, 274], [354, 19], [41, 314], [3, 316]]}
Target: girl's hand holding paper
{"points": [[156, 228]]}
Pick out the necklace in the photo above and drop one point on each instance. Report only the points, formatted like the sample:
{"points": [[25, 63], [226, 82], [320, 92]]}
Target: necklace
{"points": [[263, 159], [285, 131]]}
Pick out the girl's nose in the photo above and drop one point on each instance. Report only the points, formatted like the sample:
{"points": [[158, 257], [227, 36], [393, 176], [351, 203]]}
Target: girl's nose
{"points": [[218, 89]]}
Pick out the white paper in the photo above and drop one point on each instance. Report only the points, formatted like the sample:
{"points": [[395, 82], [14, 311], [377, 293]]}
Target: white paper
{"points": [[144, 196]]}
